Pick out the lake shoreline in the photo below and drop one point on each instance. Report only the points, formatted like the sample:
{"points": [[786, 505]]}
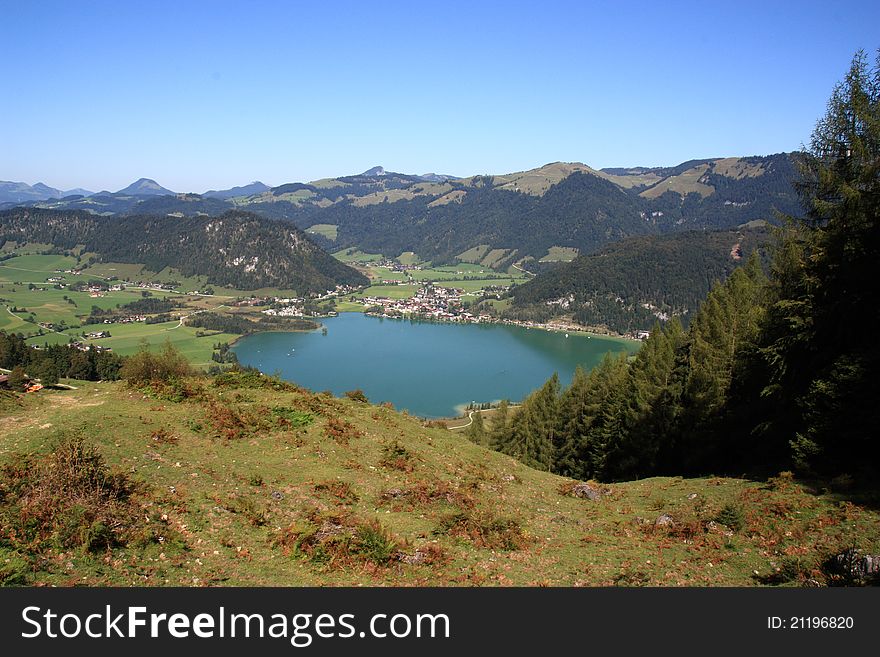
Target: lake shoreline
{"points": [[551, 327], [432, 369]]}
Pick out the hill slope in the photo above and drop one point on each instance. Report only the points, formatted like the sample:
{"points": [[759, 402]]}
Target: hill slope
{"points": [[628, 285], [252, 482], [238, 249]]}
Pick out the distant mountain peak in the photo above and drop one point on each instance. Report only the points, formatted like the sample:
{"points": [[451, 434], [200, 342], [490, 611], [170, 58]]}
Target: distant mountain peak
{"points": [[256, 187], [437, 177], [145, 187], [374, 172]]}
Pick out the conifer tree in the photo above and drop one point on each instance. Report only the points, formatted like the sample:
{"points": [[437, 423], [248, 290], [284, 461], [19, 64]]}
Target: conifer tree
{"points": [[649, 407], [818, 343], [500, 424], [532, 432], [477, 430]]}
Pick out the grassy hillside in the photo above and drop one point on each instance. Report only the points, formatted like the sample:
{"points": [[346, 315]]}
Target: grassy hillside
{"points": [[249, 481]]}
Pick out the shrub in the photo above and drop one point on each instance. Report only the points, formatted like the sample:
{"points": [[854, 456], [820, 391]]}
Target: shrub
{"points": [[340, 490], [164, 437], [396, 457], [357, 395], [145, 367], [338, 540], [341, 430], [373, 542], [248, 377], [425, 493], [255, 514], [66, 499], [731, 517], [14, 569], [291, 418], [226, 422], [484, 530]]}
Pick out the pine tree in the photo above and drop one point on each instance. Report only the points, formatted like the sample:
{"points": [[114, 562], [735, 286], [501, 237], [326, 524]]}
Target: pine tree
{"points": [[649, 407], [817, 344], [726, 325], [588, 419], [532, 432], [17, 379], [477, 431], [500, 423]]}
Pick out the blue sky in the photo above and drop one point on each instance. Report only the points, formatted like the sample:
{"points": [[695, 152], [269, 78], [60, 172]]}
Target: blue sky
{"points": [[203, 95]]}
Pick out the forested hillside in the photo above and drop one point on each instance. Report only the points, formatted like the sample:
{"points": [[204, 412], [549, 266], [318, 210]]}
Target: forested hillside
{"points": [[628, 285], [237, 249]]}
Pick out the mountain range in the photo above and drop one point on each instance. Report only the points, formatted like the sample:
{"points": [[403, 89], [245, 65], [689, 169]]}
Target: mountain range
{"points": [[554, 212], [19, 192]]}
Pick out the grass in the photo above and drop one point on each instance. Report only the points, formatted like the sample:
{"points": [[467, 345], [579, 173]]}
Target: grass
{"points": [[356, 255], [327, 230], [289, 502], [684, 184], [390, 291], [560, 254], [126, 339], [475, 254], [494, 257], [408, 258]]}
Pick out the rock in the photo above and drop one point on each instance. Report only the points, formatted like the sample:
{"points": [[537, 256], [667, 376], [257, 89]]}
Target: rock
{"points": [[586, 491], [417, 557], [277, 495], [692, 496], [328, 529], [852, 565], [664, 520]]}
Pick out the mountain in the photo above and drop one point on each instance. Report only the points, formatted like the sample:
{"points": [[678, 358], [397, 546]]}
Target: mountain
{"points": [[528, 216], [553, 212], [251, 189], [19, 192], [237, 249], [144, 187], [78, 191], [629, 285], [436, 177]]}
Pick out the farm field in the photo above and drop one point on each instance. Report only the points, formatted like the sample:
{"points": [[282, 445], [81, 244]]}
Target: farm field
{"points": [[24, 289]]}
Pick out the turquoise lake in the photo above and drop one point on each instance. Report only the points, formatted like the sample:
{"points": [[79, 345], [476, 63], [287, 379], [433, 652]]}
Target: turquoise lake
{"points": [[429, 369]]}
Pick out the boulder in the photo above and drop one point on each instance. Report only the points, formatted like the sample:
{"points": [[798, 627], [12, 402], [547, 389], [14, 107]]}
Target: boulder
{"points": [[664, 520], [586, 491]]}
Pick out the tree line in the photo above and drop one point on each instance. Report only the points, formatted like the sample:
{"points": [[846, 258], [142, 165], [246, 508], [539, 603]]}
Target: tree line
{"points": [[53, 362]]}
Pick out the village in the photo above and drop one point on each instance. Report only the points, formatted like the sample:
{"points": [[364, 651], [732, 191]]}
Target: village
{"points": [[443, 304]]}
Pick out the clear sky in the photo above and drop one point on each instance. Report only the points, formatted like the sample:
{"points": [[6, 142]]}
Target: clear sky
{"points": [[201, 95]]}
